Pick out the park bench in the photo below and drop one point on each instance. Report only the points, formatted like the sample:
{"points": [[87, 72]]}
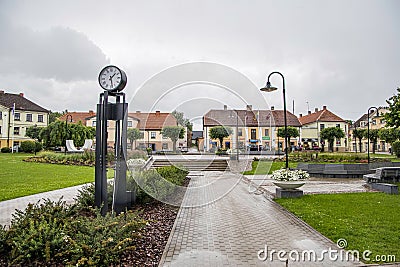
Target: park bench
{"points": [[387, 174]]}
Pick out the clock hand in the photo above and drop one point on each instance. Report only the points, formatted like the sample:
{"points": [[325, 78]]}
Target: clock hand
{"points": [[111, 81]]}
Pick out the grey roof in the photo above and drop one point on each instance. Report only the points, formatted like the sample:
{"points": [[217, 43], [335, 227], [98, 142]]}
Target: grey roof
{"points": [[21, 103]]}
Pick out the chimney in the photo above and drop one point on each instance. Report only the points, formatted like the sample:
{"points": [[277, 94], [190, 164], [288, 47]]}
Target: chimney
{"points": [[157, 113], [324, 107], [249, 107], [316, 110], [309, 112], [1, 92], [272, 108], [91, 112], [137, 111], [301, 115], [21, 94], [225, 107]]}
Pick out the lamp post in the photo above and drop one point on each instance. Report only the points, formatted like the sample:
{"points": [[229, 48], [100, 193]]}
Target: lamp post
{"points": [[237, 133], [377, 114], [269, 88], [66, 131]]}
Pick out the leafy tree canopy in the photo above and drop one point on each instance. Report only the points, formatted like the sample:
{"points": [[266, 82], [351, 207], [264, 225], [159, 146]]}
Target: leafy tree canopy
{"points": [[180, 118], [291, 132], [34, 132], [134, 134], [393, 116]]}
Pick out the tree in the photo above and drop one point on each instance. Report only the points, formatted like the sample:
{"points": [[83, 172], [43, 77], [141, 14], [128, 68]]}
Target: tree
{"points": [[389, 135], [53, 116], [34, 132], [220, 132], [291, 132], [359, 133], [56, 133], [173, 133], [134, 134], [180, 118], [393, 116], [330, 134], [373, 137]]}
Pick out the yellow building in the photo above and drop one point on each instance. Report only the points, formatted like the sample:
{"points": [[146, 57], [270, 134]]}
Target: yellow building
{"points": [[16, 115], [255, 130], [376, 122], [313, 123]]}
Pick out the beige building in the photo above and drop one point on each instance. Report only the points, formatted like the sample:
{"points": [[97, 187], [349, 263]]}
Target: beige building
{"points": [[255, 130], [314, 122], [13, 123], [376, 122]]}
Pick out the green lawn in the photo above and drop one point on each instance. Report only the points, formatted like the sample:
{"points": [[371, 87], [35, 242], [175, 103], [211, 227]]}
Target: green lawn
{"points": [[267, 167], [368, 221], [19, 178]]}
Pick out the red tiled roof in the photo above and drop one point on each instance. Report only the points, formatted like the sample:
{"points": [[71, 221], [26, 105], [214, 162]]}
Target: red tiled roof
{"points": [[21, 103], [154, 121], [78, 116], [321, 115], [253, 118]]}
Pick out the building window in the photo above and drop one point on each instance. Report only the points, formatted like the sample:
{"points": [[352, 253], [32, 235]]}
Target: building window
{"points": [[373, 122], [382, 120], [129, 123], [165, 146], [1, 115], [266, 132], [240, 132], [93, 123], [29, 117], [40, 118], [338, 142], [337, 125], [153, 135], [0, 129], [362, 123], [17, 116], [321, 126], [16, 130]]}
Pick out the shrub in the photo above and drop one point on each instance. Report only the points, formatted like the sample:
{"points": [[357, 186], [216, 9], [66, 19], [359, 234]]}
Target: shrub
{"points": [[160, 183], [28, 146], [5, 150], [54, 233], [396, 148]]}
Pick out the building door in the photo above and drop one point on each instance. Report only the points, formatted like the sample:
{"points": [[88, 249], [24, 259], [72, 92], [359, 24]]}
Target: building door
{"points": [[253, 135]]}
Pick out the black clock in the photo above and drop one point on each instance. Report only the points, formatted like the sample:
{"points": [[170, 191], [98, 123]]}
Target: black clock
{"points": [[112, 78]]}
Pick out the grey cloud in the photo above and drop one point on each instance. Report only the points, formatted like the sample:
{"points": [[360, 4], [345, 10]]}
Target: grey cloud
{"points": [[58, 53]]}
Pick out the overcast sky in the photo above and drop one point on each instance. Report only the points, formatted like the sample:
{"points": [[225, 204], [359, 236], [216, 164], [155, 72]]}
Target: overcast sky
{"points": [[342, 54]]}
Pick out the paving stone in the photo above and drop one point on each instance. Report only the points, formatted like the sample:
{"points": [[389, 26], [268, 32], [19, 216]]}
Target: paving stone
{"points": [[228, 226]]}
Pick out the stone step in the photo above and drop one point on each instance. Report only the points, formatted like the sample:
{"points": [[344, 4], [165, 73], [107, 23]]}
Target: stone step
{"points": [[198, 165]]}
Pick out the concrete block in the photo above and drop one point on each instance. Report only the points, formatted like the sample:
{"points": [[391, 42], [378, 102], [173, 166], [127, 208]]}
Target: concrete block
{"points": [[386, 188], [288, 193]]}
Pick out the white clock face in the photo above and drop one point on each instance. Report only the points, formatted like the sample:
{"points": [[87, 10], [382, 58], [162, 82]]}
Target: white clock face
{"points": [[110, 78]]}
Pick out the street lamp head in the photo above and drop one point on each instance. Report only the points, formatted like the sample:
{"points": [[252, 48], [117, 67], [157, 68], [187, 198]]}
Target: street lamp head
{"points": [[268, 88]]}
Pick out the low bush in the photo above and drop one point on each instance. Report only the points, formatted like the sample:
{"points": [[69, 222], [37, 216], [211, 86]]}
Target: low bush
{"points": [[87, 158], [160, 183], [54, 233], [221, 152], [31, 146], [5, 150]]}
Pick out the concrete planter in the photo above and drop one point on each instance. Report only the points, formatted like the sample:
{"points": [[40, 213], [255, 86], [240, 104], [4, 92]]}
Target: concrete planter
{"points": [[289, 184]]}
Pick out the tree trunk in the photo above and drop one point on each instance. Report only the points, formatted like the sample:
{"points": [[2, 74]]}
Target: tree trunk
{"points": [[221, 140], [331, 146], [174, 145], [373, 147], [360, 144]]}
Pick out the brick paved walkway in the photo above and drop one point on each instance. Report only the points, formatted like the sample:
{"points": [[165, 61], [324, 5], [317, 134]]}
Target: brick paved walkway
{"points": [[222, 224]]}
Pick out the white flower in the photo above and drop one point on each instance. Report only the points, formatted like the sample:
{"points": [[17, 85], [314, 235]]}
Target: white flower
{"points": [[289, 175]]}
